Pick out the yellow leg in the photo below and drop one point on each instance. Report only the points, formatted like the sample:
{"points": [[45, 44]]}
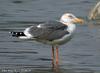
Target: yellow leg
{"points": [[53, 57], [57, 56]]}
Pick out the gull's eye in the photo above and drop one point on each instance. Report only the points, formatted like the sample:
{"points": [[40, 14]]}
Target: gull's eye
{"points": [[70, 16]]}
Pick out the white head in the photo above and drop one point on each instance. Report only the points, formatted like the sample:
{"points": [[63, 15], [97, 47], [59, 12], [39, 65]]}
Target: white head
{"points": [[69, 18]]}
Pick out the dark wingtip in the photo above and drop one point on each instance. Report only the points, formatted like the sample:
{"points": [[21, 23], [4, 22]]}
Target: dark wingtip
{"points": [[17, 34], [14, 34], [11, 32]]}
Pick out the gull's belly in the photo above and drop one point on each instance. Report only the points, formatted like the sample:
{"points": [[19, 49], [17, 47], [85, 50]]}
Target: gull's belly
{"points": [[60, 41]]}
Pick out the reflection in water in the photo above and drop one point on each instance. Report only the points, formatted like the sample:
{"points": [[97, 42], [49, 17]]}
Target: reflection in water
{"points": [[17, 2]]}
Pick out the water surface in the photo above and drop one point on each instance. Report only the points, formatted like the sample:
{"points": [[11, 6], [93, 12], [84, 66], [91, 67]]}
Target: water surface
{"points": [[80, 55]]}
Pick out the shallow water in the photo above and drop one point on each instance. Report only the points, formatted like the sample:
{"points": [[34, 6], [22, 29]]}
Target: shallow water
{"points": [[80, 55]]}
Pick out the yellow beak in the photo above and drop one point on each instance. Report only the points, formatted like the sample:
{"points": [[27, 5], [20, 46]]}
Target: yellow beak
{"points": [[78, 20]]}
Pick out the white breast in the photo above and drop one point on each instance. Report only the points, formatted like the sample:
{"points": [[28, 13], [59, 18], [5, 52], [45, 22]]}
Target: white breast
{"points": [[71, 28]]}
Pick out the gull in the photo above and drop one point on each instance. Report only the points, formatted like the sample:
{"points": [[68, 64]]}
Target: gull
{"points": [[54, 33]]}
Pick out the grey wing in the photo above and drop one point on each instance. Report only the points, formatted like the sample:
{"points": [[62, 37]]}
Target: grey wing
{"points": [[53, 25], [47, 31], [36, 32], [58, 34]]}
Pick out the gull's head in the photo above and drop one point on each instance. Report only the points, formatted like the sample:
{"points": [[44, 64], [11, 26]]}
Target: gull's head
{"points": [[69, 18]]}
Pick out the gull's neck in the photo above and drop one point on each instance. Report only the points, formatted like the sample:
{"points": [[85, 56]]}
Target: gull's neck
{"points": [[71, 27]]}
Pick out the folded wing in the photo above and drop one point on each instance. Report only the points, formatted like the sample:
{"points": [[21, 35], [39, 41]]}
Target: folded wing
{"points": [[47, 31]]}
